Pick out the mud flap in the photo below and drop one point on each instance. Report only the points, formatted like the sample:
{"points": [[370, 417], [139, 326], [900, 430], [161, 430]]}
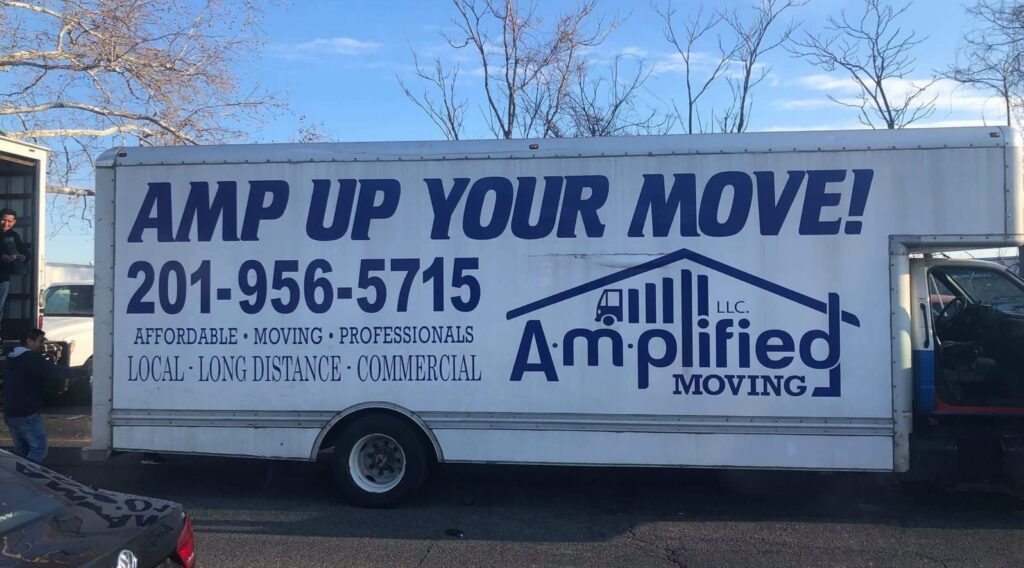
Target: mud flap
{"points": [[932, 459], [1013, 460]]}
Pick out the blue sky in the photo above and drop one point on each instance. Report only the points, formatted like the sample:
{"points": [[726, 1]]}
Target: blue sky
{"points": [[336, 63]]}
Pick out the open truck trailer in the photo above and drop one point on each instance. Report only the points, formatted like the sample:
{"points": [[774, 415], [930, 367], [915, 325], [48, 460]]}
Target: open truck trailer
{"points": [[23, 190]]}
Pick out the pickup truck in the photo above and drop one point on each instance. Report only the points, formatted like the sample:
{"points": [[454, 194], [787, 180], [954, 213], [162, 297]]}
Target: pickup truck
{"points": [[67, 320]]}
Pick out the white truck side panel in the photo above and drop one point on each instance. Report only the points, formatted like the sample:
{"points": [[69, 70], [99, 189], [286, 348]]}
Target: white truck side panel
{"points": [[103, 309], [766, 300], [278, 443], [662, 449]]}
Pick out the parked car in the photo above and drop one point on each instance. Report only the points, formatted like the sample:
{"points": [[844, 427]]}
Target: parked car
{"points": [[48, 519]]}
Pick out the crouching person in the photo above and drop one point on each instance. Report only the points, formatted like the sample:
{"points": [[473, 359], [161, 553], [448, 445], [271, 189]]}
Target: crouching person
{"points": [[25, 373]]}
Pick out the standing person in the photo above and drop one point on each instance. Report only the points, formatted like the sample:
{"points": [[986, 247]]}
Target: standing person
{"points": [[12, 255], [25, 372]]}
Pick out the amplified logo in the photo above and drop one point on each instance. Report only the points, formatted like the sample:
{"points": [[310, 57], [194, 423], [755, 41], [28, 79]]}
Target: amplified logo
{"points": [[670, 324]]}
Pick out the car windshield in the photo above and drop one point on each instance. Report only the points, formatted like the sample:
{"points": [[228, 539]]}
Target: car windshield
{"points": [[68, 300], [22, 501]]}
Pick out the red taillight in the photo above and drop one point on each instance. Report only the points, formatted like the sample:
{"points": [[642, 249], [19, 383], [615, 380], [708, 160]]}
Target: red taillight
{"points": [[187, 545], [39, 321]]}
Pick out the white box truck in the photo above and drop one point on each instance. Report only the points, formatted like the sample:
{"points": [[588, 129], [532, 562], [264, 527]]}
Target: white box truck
{"points": [[731, 301]]}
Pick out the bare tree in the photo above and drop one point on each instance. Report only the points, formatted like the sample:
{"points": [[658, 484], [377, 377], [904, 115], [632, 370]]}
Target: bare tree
{"points": [[526, 68], [84, 75], [753, 41], [543, 104], [685, 42], [448, 113], [990, 55], [876, 54], [608, 106], [310, 132]]}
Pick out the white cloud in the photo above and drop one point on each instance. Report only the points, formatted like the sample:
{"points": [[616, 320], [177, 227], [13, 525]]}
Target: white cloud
{"points": [[822, 82], [600, 56], [819, 126], [633, 51], [325, 47], [858, 126], [951, 98], [949, 123], [811, 104], [674, 63]]}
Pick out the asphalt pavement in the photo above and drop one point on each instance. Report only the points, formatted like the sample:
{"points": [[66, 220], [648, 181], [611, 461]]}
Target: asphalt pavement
{"points": [[267, 513]]}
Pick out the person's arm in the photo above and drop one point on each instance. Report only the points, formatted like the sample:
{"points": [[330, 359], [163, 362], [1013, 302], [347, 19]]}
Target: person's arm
{"points": [[22, 249], [44, 368]]}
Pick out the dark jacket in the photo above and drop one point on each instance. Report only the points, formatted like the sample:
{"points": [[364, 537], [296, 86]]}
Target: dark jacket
{"points": [[11, 244], [25, 374]]}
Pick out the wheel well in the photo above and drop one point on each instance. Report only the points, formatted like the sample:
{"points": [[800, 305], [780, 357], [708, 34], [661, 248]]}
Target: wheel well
{"points": [[429, 444]]}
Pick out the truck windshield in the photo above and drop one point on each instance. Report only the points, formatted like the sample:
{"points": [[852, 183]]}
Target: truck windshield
{"points": [[978, 314], [68, 300], [988, 288]]}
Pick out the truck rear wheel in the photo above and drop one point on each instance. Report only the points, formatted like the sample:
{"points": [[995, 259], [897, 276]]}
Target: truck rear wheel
{"points": [[379, 461]]}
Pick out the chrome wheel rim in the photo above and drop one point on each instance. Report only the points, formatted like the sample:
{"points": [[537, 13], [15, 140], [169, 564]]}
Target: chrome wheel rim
{"points": [[377, 463]]}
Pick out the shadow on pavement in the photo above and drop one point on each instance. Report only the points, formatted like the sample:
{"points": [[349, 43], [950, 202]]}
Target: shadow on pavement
{"points": [[516, 503], [524, 503]]}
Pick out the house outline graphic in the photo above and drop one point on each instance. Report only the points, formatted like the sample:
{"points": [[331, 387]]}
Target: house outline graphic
{"points": [[672, 258], [834, 383]]}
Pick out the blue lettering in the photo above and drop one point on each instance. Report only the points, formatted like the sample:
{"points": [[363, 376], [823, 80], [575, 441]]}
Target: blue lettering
{"points": [[646, 360], [472, 220], [739, 208], [317, 229], [684, 386], [367, 208], [663, 209], [444, 205], [770, 342], [817, 198], [206, 213], [258, 210], [533, 335], [714, 385], [831, 339], [548, 213], [795, 386], [773, 211], [155, 213], [576, 205]]}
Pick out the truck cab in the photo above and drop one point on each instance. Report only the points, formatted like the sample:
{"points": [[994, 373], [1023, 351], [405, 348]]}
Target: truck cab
{"points": [[968, 364]]}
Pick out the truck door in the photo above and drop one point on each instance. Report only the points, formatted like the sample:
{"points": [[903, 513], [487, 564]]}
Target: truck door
{"points": [[968, 338]]}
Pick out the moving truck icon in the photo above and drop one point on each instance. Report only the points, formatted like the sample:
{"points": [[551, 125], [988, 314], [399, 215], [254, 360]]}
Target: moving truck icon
{"points": [[653, 303], [609, 307]]}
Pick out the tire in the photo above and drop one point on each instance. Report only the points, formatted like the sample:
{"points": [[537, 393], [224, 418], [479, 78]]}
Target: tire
{"points": [[79, 391], [379, 461]]}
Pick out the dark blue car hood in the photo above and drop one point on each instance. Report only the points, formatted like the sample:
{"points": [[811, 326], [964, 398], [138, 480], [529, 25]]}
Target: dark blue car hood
{"points": [[46, 517]]}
